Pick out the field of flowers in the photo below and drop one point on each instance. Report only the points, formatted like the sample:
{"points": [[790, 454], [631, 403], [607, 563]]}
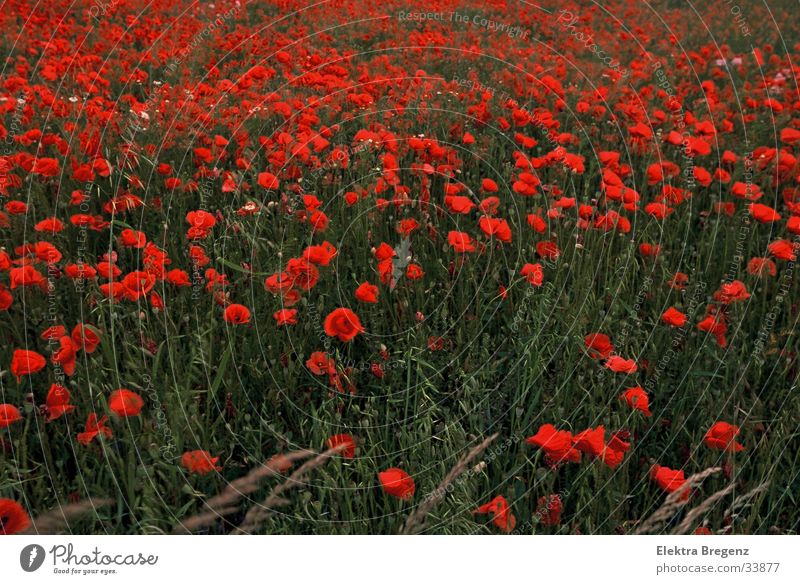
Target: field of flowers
{"points": [[389, 267]]}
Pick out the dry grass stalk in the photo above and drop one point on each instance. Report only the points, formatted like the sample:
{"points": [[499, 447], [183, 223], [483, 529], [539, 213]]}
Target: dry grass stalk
{"points": [[57, 520], [742, 500], [258, 513], [698, 512], [673, 502], [701, 509], [227, 501], [739, 502], [416, 521]]}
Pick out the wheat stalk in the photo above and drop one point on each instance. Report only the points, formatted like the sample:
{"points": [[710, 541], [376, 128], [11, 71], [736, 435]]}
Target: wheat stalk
{"points": [[416, 521], [701, 510], [673, 502], [258, 513], [57, 520], [741, 501], [227, 501]]}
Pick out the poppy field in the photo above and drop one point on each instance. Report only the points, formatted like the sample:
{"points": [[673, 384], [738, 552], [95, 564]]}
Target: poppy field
{"points": [[452, 267]]}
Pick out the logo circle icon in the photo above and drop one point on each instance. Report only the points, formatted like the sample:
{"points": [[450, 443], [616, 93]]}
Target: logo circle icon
{"points": [[31, 557]]}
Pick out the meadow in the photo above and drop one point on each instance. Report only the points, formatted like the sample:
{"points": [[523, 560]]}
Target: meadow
{"points": [[451, 267]]}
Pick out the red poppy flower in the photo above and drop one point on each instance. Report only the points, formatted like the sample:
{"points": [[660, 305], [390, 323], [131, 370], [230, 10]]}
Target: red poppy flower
{"points": [[548, 510], [761, 267], [497, 228], [343, 324], [598, 345], [311, 202], [133, 239], [8, 415], [156, 301], [460, 242], [178, 278], [548, 250], [108, 270], [722, 436], [489, 185], [556, 444], [53, 333], [320, 255], [45, 167], [318, 221], [407, 226], [459, 204], [386, 271], [730, 292], [715, 325], [619, 365], [125, 403], [51, 225], [137, 284], [66, 355], [346, 442], [279, 462], [80, 272], [200, 462], [377, 370], [414, 272], [526, 185], [658, 211], [668, 479], [649, 250], [58, 398], [591, 441], [237, 314], [26, 363], [367, 293], [384, 252], [533, 273], [303, 274], [790, 135], [45, 252], [285, 317], [6, 299], [397, 483], [198, 256], [278, 283], [678, 281], [13, 518], [86, 337], [501, 513], [673, 317], [320, 364], [25, 276], [793, 223], [436, 343], [268, 181], [764, 213], [636, 398], [614, 452], [94, 427], [782, 249], [489, 205]]}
